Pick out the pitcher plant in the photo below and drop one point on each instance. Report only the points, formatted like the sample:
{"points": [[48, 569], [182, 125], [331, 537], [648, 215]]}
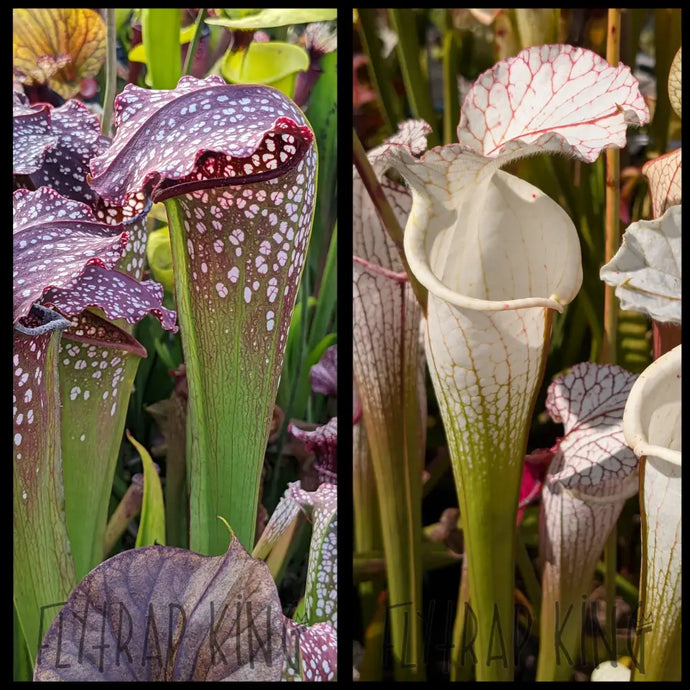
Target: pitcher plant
{"points": [[498, 256], [652, 427], [236, 166]]}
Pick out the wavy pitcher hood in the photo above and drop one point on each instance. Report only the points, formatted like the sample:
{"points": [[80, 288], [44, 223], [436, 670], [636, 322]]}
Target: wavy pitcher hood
{"points": [[204, 133], [467, 213]]}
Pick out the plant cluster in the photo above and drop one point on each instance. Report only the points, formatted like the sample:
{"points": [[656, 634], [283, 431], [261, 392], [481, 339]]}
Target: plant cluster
{"points": [[479, 260], [175, 280]]}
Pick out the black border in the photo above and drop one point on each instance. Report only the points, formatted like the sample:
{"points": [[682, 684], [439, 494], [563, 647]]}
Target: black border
{"points": [[345, 378]]}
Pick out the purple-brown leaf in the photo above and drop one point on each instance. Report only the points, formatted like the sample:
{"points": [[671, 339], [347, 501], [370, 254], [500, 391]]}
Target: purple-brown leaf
{"points": [[60, 159], [120, 296], [29, 391], [54, 239], [91, 329], [165, 614]]}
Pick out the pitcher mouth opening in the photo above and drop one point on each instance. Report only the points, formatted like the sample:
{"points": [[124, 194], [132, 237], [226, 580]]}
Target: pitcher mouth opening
{"points": [[168, 188], [554, 289], [658, 385]]}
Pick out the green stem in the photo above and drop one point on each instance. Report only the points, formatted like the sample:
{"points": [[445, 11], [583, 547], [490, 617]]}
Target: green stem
{"points": [[288, 544], [371, 565], [529, 577], [416, 83], [628, 591], [592, 319], [611, 567], [560, 628], [450, 86], [191, 50], [400, 512], [367, 527], [575, 326], [127, 509], [612, 204], [609, 351], [379, 72], [489, 531], [461, 657], [404, 589], [591, 221], [394, 441], [110, 71], [371, 667]]}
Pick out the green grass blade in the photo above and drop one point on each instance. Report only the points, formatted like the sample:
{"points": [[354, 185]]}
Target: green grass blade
{"points": [[322, 113], [326, 301], [450, 86], [198, 26], [152, 524], [110, 72], [303, 390], [416, 82], [379, 71], [160, 30]]}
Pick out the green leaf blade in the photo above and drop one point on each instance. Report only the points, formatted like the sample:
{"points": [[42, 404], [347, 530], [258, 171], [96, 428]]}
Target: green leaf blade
{"points": [[160, 30], [152, 525]]}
